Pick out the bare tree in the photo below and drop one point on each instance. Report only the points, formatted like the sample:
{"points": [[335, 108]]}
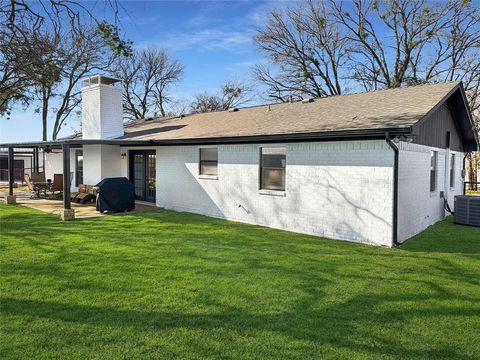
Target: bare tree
{"points": [[84, 53], [54, 74], [45, 74], [18, 55], [429, 42], [308, 49], [37, 48], [232, 94], [384, 61], [316, 48], [148, 76]]}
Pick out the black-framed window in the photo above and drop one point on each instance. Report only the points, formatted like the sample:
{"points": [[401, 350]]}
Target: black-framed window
{"points": [[78, 167], [208, 164], [433, 170], [272, 168], [452, 171]]}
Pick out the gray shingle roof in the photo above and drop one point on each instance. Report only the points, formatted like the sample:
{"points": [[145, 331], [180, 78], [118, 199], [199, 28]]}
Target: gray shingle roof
{"points": [[393, 108]]}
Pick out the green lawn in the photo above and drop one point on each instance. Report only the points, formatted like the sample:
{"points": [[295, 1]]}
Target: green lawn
{"points": [[171, 285]]}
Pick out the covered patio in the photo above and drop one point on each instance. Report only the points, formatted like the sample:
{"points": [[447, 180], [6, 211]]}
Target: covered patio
{"points": [[82, 211], [64, 208]]}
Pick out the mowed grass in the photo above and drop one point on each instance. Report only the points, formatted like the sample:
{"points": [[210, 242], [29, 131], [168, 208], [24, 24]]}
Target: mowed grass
{"points": [[173, 285]]}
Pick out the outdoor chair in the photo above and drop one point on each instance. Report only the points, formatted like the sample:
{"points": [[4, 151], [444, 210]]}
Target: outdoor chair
{"points": [[57, 185], [38, 177], [31, 188]]}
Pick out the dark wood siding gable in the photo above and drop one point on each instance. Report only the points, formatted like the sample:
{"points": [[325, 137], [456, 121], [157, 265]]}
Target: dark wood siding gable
{"points": [[432, 131]]}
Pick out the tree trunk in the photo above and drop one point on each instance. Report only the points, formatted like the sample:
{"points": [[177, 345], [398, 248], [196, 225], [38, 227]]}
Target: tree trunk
{"points": [[162, 110], [56, 127], [472, 171], [45, 97]]}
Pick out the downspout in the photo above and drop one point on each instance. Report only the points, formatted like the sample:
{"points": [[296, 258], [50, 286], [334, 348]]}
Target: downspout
{"points": [[464, 173], [395, 189]]}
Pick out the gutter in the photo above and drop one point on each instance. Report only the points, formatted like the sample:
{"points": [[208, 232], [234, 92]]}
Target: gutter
{"points": [[395, 190], [129, 139]]}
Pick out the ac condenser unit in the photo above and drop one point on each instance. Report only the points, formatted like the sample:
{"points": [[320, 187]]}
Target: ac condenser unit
{"points": [[467, 210]]}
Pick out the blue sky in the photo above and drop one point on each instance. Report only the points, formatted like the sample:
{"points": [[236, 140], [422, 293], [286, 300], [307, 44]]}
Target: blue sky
{"points": [[212, 39]]}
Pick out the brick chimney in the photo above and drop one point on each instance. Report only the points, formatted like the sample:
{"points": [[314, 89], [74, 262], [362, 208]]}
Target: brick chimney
{"points": [[102, 112]]}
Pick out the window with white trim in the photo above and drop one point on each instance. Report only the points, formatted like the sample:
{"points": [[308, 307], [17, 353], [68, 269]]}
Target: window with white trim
{"points": [[208, 164], [452, 171], [78, 167], [272, 168], [433, 170]]}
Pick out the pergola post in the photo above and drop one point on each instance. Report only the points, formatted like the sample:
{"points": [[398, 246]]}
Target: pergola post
{"points": [[11, 199], [67, 213], [35, 159]]}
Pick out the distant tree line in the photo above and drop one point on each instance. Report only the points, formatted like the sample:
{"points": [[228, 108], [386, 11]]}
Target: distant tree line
{"points": [[327, 48]]}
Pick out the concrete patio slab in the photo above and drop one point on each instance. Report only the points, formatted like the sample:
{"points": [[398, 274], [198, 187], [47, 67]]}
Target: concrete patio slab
{"points": [[54, 206]]}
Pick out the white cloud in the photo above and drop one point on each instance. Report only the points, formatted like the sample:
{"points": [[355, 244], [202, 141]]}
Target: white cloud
{"points": [[204, 40]]}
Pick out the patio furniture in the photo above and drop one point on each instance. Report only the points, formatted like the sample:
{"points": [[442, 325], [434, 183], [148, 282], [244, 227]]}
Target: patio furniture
{"points": [[57, 185], [42, 188], [33, 190], [86, 193], [38, 177]]}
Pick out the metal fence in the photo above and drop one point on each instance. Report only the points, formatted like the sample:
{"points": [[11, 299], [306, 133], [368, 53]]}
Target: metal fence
{"points": [[18, 174], [471, 187]]}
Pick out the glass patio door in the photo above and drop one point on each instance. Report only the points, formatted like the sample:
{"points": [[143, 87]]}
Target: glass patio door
{"points": [[143, 174]]}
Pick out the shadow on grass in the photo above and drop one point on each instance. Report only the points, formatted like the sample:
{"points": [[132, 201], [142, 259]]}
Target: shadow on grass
{"points": [[341, 325], [391, 299], [443, 237]]}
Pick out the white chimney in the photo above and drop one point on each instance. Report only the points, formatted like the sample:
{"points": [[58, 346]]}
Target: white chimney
{"points": [[102, 112]]}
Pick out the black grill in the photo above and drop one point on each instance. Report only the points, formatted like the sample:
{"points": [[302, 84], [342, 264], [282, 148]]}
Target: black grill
{"points": [[115, 195]]}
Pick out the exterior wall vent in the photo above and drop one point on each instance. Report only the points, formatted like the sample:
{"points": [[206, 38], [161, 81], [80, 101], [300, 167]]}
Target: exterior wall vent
{"points": [[467, 210]]}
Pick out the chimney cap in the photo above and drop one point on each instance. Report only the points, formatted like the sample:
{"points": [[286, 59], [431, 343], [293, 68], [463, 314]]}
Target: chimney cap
{"points": [[100, 80]]}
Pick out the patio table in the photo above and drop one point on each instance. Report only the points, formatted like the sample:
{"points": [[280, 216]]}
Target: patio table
{"points": [[40, 187]]}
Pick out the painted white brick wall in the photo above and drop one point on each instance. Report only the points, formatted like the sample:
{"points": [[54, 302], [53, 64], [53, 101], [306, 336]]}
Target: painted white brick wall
{"points": [[99, 162], [418, 208], [102, 114], [54, 165], [340, 190]]}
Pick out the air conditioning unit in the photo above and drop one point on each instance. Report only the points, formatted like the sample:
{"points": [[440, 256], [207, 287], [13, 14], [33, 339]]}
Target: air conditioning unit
{"points": [[467, 210]]}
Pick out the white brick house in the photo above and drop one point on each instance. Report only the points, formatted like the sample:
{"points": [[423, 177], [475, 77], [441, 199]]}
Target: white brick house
{"points": [[371, 168]]}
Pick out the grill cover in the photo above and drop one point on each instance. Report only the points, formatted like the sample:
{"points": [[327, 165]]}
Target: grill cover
{"points": [[115, 195]]}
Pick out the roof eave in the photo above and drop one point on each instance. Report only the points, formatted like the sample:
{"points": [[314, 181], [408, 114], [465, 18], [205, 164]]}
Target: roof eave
{"points": [[366, 134], [470, 119]]}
